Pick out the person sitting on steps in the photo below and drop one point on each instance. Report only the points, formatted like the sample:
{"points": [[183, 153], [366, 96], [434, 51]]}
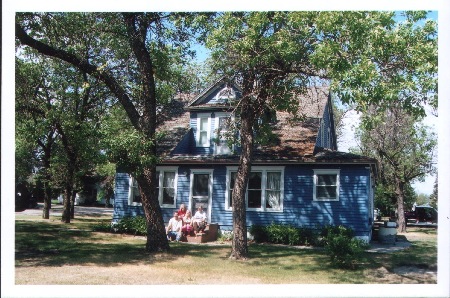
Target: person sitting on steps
{"points": [[187, 224], [174, 228], [199, 220], [182, 211]]}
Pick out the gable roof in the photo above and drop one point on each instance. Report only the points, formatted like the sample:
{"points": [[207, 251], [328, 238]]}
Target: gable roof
{"points": [[297, 134], [206, 100], [295, 141]]}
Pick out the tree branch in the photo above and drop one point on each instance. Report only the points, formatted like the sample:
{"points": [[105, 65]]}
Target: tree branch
{"points": [[85, 66]]}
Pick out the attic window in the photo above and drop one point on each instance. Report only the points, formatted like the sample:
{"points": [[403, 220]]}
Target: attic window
{"points": [[225, 94], [203, 130]]}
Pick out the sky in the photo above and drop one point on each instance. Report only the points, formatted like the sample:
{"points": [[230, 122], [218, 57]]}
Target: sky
{"points": [[9, 7]]}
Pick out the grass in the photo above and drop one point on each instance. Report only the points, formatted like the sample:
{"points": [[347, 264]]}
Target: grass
{"points": [[50, 252]]}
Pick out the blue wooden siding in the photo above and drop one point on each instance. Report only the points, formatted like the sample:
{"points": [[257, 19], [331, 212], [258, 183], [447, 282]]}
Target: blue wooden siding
{"points": [[299, 208]]}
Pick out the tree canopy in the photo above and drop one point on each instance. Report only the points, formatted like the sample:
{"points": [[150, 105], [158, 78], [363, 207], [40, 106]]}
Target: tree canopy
{"points": [[367, 58], [405, 149]]}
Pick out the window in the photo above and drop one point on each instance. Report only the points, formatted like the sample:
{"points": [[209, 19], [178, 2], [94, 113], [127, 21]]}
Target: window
{"points": [[226, 94], [273, 190], [264, 189], [203, 129], [326, 185], [166, 195], [134, 194], [222, 127], [166, 188]]}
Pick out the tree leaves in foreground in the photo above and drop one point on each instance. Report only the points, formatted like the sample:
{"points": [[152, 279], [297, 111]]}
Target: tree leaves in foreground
{"points": [[137, 56], [366, 57]]}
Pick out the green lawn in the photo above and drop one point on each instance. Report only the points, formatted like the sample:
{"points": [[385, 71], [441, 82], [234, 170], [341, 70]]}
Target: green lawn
{"points": [[50, 252]]}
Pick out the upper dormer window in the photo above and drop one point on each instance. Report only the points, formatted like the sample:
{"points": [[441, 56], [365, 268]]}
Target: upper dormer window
{"points": [[222, 130], [226, 94], [203, 130]]}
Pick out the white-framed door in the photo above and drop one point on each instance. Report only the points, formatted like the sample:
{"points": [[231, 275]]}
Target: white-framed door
{"points": [[201, 188]]}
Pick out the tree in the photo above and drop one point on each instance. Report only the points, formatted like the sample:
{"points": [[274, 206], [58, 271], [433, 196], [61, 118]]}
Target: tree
{"points": [[422, 199], [134, 55], [404, 149], [434, 195], [386, 199], [35, 130], [78, 104], [364, 56], [107, 173], [61, 108]]}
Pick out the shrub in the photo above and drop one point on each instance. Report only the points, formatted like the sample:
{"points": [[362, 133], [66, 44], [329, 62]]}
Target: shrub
{"points": [[259, 233], [344, 250], [277, 233], [132, 225], [307, 236], [283, 234], [103, 226], [225, 236]]}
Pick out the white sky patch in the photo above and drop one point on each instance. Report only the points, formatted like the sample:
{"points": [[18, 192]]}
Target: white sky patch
{"points": [[347, 140]]}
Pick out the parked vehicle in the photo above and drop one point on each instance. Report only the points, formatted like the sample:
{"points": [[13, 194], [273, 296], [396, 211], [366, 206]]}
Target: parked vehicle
{"points": [[422, 214]]}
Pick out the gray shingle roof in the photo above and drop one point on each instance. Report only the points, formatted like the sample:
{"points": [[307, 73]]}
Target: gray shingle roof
{"points": [[296, 135]]}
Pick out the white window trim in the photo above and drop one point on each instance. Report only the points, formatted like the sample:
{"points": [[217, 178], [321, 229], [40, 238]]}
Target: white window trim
{"points": [[326, 172], [264, 171], [161, 170], [216, 121], [208, 132], [131, 193], [210, 189]]}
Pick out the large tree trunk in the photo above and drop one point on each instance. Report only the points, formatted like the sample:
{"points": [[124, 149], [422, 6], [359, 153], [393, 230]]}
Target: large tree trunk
{"points": [[399, 191], [239, 243], [47, 148], [66, 209], [72, 204], [156, 234], [47, 200]]}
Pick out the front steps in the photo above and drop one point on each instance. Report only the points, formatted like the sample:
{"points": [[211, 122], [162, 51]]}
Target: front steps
{"points": [[210, 234]]}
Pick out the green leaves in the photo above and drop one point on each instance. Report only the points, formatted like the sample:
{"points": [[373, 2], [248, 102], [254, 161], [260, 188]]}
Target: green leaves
{"points": [[123, 144]]}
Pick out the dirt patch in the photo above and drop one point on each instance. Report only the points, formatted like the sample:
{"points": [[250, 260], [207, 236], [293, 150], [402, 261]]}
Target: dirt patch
{"points": [[420, 275], [404, 275], [418, 236]]}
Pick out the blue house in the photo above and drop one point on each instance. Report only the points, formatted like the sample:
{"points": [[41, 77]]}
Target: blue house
{"points": [[301, 179]]}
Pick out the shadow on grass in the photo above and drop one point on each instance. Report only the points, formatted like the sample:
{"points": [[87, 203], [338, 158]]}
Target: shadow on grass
{"points": [[42, 243], [50, 244]]}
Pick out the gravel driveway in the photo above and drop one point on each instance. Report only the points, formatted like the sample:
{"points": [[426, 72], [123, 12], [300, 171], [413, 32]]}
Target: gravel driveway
{"points": [[56, 210]]}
